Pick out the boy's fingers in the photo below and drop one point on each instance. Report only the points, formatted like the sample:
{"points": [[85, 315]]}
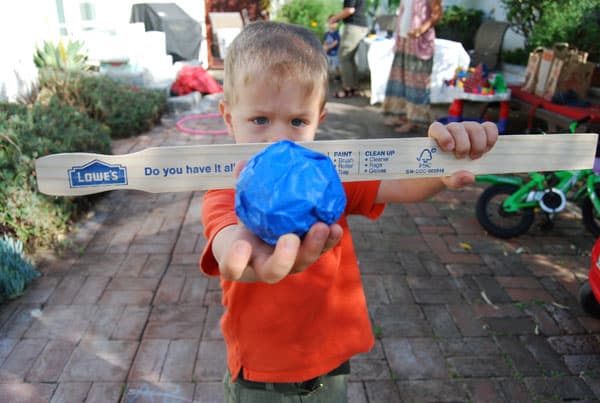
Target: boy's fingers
{"points": [[491, 132], [461, 139], [477, 139], [236, 261], [279, 264], [480, 138], [465, 139], [458, 179], [312, 246], [442, 136], [335, 235]]}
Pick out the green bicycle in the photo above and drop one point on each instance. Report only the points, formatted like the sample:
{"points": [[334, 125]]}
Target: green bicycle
{"points": [[507, 208]]}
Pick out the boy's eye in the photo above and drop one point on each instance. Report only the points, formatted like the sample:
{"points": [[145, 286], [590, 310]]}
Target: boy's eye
{"points": [[297, 122], [260, 121]]}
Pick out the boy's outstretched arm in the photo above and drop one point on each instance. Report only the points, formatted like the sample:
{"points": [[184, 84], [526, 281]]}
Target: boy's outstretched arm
{"points": [[242, 256], [466, 139]]}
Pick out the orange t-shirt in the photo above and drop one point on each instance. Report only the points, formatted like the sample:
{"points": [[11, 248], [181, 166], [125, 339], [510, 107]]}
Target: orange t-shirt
{"points": [[306, 324]]}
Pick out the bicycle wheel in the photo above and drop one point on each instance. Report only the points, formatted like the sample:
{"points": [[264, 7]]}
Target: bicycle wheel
{"points": [[495, 220], [588, 301], [589, 215]]}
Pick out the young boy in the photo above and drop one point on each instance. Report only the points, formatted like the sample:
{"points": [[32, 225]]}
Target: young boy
{"points": [[331, 44], [296, 312]]}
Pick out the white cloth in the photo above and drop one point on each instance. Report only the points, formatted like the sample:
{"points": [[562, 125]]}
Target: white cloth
{"points": [[447, 57], [405, 18]]}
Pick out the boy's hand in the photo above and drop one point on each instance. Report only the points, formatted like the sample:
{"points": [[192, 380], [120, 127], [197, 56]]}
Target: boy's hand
{"points": [[466, 139], [243, 256]]}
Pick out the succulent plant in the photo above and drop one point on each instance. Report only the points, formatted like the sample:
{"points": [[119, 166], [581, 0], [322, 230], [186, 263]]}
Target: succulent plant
{"points": [[15, 269], [60, 56]]}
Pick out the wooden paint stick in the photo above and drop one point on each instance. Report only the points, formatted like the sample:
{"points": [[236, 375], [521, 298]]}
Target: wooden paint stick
{"points": [[202, 167]]}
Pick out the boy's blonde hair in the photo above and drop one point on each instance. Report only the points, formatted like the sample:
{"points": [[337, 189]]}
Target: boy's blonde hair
{"points": [[278, 52]]}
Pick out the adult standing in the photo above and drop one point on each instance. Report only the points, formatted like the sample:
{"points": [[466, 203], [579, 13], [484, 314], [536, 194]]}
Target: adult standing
{"points": [[407, 94], [354, 30]]}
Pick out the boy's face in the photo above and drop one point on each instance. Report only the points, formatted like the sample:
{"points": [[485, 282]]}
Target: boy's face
{"points": [[266, 112], [333, 26]]}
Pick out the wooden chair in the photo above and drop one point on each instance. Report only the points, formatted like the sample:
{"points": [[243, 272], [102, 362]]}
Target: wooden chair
{"points": [[488, 44], [225, 21]]}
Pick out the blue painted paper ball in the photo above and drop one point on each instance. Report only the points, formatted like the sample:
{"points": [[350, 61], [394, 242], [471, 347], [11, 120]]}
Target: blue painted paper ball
{"points": [[286, 188]]}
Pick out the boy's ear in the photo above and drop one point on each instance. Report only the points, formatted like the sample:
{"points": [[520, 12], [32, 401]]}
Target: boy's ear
{"points": [[323, 115], [226, 114]]}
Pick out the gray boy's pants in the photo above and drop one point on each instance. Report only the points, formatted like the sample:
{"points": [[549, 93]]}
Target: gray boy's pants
{"points": [[333, 390]]}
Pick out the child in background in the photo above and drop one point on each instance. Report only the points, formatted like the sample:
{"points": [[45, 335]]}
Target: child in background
{"points": [[331, 44], [296, 312]]}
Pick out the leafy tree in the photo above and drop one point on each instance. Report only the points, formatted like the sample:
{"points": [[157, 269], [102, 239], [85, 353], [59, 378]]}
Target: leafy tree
{"points": [[576, 22], [523, 15]]}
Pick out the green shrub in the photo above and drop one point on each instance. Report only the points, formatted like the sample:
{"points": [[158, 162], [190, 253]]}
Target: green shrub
{"points": [[15, 269], [576, 22], [126, 110], [311, 14], [29, 132], [53, 128], [459, 24], [515, 56], [75, 110], [34, 218]]}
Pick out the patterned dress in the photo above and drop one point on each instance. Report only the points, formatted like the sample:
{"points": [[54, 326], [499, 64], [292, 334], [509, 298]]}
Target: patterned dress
{"points": [[407, 92]]}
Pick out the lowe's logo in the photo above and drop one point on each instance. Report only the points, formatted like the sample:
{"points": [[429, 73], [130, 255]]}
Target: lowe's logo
{"points": [[97, 173]]}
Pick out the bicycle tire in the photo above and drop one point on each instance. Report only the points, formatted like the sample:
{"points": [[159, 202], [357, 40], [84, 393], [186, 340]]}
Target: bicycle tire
{"points": [[497, 222], [588, 301], [591, 220]]}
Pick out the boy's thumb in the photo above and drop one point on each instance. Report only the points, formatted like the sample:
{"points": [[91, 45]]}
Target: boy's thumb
{"points": [[238, 168]]}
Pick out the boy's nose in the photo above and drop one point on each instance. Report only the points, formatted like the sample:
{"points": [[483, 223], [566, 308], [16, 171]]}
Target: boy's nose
{"points": [[277, 135]]}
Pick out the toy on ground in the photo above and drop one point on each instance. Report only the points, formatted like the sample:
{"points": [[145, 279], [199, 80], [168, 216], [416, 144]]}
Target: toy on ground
{"points": [[181, 124], [286, 188], [477, 85]]}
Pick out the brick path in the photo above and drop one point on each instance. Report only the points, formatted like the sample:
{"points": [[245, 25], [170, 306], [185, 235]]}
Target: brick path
{"points": [[126, 316]]}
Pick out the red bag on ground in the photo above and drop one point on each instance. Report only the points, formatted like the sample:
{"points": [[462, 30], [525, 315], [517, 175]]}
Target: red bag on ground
{"points": [[192, 79]]}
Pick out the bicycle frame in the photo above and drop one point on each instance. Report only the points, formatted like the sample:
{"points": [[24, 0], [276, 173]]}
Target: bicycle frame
{"points": [[592, 183], [530, 191]]}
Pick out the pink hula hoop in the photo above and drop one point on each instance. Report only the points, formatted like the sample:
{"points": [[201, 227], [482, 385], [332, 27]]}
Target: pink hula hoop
{"points": [[180, 124]]}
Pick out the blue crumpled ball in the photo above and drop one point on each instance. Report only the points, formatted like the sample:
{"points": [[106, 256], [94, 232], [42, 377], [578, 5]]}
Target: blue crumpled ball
{"points": [[286, 188]]}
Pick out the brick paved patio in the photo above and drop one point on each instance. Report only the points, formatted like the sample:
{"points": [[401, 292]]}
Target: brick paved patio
{"points": [[126, 315]]}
